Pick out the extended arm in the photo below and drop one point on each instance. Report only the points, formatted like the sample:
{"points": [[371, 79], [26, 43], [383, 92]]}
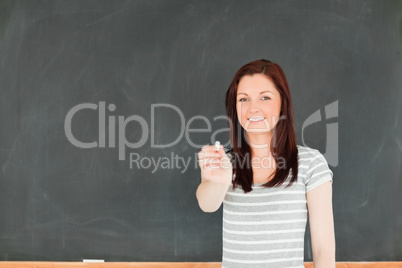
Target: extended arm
{"points": [[216, 175], [210, 195]]}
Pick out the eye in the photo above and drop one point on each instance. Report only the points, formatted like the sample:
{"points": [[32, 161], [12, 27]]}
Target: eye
{"points": [[266, 98], [242, 99]]}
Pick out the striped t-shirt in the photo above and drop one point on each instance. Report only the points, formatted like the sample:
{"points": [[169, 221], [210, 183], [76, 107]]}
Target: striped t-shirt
{"points": [[266, 227]]}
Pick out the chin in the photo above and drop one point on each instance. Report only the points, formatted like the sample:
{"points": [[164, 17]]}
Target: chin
{"points": [[256, 130]]}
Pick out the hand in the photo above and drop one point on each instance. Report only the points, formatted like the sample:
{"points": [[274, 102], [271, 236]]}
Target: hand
{"points": [[215, 165]]}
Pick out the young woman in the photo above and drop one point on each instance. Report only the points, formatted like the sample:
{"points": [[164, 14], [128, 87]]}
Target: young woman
{"points": [[267, 183]]}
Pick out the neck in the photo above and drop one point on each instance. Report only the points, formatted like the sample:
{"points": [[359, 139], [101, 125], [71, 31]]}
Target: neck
{"points": [[260, 144]]}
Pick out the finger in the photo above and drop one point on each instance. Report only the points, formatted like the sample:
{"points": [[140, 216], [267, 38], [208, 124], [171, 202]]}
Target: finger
{"points": [[203, 163], [220, 151], [202, 155], [219, 148], [210, 148], [205, 148], [208, 159], [209, 162], [213, 164]]}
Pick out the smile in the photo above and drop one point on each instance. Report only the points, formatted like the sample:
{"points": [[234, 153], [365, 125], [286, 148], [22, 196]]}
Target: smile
{"points": [[255, 119]]}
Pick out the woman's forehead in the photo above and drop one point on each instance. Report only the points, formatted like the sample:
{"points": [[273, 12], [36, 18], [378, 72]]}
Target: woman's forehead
{"points": [[256, 84]]}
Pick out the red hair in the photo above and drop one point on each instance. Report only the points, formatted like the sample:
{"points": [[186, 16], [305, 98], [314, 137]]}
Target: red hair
{"points": [[283, 143]]}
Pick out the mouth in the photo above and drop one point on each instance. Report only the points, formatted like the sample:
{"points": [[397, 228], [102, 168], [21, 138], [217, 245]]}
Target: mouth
{"points": [[256, 119]]}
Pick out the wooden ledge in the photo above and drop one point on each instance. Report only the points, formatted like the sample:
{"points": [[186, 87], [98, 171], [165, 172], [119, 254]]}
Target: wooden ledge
{"points": [[19, 264]]}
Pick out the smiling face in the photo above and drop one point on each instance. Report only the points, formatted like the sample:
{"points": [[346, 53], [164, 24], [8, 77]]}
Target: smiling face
{"points": [[258, 104]]}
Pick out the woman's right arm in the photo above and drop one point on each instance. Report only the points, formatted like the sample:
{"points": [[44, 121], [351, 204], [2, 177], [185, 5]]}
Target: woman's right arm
{"points": [[216, 177]]}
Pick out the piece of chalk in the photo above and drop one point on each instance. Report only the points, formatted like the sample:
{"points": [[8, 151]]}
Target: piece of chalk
{"points": [[92, 260], [217, 145]]}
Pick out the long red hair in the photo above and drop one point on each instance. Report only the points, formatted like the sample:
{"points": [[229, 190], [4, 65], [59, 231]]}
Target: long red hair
{"points": [[283, 145]]}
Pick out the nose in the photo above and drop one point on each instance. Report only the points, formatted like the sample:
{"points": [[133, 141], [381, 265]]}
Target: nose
{"points": [[254, 107]]}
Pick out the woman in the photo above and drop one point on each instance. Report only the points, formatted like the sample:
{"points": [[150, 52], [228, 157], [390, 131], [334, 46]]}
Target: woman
{"points": [[266, 182]]}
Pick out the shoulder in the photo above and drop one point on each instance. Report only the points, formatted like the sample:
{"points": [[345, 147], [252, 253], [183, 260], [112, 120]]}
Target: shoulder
{"points": [[307, 154], [311, 159], [305, 149], [314, 167]]}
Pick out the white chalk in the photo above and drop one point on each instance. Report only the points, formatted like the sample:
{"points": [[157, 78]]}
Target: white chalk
{"points": [[92, 260], [217, 145]]}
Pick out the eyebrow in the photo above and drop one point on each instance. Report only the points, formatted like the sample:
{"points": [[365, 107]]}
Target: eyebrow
{"points": [[260, 92]]}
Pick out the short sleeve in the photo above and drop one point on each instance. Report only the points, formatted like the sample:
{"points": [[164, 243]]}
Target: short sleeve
{"points": [[318, 172]]}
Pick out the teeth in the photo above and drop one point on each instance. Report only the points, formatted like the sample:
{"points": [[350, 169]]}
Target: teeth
{"points": [[256, 119]]}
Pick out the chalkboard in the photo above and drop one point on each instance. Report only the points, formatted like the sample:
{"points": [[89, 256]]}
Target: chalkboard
{"points": [[92, 92]]}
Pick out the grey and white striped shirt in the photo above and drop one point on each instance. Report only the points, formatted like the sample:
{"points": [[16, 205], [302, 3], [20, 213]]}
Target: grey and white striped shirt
{"points": [[266, 227]]}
